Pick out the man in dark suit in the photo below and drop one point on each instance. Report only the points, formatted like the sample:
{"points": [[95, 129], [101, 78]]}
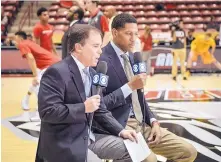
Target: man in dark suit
{"points": [[66, 99], [124, 98], [75, 16]]}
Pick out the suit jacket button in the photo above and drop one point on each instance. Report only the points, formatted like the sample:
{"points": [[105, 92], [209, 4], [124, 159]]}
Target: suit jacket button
{"points": [[85, 137]]}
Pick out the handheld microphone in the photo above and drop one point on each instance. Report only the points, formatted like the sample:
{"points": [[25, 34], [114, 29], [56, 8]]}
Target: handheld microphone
{"points": [[139, 66], [100, 79]]}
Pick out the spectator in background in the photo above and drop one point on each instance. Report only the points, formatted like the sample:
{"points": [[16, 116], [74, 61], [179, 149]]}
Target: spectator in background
{"points": [[98, 20], [178, 49], [137, 45], [212, 24], [4, 20], [75, 16], [110, 12], [189, 37], [8, 42], [43, 31], [146, 47]]}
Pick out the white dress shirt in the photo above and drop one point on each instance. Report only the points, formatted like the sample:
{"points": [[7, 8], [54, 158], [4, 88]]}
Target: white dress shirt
{"points": [[81, 67]]}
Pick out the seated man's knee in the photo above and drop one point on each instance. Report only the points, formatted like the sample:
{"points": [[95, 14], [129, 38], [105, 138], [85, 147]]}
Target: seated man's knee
{"points": [[190, 152], [121, 151], [151, 158]]}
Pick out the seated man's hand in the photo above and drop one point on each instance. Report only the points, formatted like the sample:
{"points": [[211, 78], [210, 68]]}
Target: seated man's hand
{"points": [[129, 134], [155, 135]]}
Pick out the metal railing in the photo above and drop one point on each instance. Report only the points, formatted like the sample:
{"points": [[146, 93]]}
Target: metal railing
{"points": [[28, 15]]}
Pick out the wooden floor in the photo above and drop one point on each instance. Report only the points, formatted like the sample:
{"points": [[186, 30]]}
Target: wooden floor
{"points": [[16, 149]]}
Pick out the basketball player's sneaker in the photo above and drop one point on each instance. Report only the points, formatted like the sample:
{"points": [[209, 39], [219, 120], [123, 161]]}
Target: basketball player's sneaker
{"points": [[25, 116], [35, 118], [174, 78], [184, 78], [25, 103]]}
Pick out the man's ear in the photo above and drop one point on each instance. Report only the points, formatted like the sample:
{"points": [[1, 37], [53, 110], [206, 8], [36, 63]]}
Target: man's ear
{"points": [[114, 32], [78, 47]]}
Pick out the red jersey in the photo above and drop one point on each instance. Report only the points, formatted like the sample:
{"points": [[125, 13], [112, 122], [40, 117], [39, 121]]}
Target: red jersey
{"points": [[44, 33], [42, 57], [147, 42]]}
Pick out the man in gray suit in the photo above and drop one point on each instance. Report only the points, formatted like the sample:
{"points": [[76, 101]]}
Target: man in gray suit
{"points": [[66, 99]]}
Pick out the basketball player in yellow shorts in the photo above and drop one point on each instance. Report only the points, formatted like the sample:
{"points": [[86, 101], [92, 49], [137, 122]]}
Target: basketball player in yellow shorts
{"points": [[200, 47]]}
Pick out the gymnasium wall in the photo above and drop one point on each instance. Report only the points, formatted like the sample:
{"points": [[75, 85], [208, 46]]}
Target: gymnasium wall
{"points": [[13, 63]]}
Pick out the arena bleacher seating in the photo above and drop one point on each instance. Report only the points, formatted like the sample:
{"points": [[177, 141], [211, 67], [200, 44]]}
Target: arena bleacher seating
{"points": [[156, 13], [195, 13], [9, 9]]}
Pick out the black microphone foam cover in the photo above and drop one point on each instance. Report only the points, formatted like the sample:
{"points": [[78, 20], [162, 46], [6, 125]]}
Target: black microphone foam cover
{"points": [[102, 67], [137, 57]]}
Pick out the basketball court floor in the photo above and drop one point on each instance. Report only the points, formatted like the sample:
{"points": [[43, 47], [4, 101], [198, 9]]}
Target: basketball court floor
{"points": [[190, 109]]}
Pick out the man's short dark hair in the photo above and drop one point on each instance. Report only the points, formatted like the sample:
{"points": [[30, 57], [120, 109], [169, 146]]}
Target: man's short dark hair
{"points": [[120, 20], [80, 13], [96, 2], [21, 34], [40, 10], [78, 34]]}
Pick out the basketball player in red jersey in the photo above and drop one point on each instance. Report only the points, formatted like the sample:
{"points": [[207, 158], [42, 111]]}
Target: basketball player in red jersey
{"points": [[43, 31], [38, 59]]}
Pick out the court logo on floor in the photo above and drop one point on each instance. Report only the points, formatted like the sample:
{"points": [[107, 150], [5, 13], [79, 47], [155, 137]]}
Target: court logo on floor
{"points": [[22, 126], [200, 129], [183, 95]]}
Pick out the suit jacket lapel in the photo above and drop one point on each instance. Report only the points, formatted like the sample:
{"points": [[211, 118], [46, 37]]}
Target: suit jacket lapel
{"points": [[116, 63], [76, 76]]}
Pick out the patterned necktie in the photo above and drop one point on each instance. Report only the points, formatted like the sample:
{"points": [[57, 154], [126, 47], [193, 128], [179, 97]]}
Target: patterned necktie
{"points": [[135, 101], [87, 88], [87, 82]]}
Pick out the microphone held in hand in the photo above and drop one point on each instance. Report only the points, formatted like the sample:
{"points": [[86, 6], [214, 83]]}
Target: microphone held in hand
{"points": [[100, 79], [139, 66]]}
